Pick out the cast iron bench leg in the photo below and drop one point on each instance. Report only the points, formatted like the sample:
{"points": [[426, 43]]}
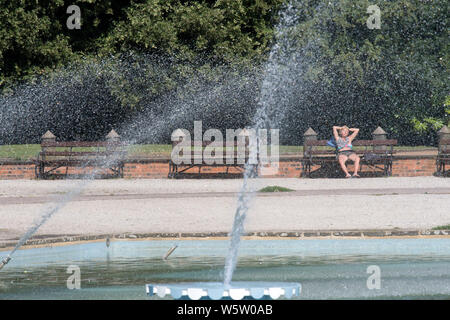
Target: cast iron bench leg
{"points": [[42, 171], [390, 168], [309, 169], [38, 171]]}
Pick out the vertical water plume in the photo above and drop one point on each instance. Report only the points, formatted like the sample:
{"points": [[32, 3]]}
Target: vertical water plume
{"points": [[275, 94]]}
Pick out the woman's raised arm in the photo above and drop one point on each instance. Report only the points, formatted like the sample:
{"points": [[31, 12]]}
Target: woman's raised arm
{"points": [[354, 133], [335, 132]]}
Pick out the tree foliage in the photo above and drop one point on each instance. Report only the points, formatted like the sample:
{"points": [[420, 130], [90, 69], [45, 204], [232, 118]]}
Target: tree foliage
{"points": [[395, 76]]}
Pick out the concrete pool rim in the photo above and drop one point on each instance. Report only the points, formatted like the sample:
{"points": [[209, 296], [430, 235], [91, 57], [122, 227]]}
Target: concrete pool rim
{"points": [[60, 240]]}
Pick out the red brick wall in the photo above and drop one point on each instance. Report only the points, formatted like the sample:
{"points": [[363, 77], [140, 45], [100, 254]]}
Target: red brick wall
{"points": [[81, 171], [287, 169], [146, 170], [17, 171], [402, 167], [414, 167]]}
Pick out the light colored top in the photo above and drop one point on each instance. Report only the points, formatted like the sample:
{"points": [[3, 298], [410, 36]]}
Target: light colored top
{"points": [[342, 143]]}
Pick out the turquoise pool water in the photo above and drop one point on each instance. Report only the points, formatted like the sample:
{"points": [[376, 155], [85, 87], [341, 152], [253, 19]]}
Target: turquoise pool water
{"points": [[327, 269]]}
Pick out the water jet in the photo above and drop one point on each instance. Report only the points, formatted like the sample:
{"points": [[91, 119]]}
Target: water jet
{"points": [[171, 250], [5, 262]]}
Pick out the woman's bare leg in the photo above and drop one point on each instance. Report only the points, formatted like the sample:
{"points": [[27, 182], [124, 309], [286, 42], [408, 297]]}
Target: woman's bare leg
{"points": [[342, 160], [355, 158]]}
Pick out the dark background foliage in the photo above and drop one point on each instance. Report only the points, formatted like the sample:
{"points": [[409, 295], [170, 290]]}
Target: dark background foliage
{"points": [[147, 67]]}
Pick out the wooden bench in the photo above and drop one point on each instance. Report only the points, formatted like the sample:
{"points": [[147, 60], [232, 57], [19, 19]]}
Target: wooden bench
{"points": [[443, 156], [108, 154], [376, 154], [197, 152]]}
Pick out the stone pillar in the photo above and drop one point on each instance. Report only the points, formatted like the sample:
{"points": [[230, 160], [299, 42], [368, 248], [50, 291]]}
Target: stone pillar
{"points": [[309, 135], [443, 134], [112, 139], [379, 134], [113, 136], [48, 137]]}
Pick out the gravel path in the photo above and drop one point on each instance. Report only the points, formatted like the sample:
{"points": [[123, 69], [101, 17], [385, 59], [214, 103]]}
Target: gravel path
{"points": [[145, 206]]}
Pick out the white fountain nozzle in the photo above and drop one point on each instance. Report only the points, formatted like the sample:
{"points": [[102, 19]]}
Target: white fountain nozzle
{"points": [[217, 290], [4, 262]]}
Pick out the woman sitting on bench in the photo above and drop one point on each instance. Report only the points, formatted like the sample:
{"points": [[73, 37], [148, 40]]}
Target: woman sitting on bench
{"points": [[344, 148]]}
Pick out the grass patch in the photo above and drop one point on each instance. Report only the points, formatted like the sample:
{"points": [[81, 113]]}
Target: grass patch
{"points": [[446, 227], [275, 189], [19, 151], [148, 149]]}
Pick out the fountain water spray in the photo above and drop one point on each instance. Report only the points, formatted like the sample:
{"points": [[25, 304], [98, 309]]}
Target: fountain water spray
{"points": [[60, 203], [269, 114], [193, 101], [148, 125], [275, 92], [43, 218]]}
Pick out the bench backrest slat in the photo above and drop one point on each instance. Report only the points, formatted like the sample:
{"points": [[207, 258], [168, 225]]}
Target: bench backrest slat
{"points": [[390, 142], [98, 149], [355, 143], [327, 152], [74, 144], [224, 144], [81, 153]]}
